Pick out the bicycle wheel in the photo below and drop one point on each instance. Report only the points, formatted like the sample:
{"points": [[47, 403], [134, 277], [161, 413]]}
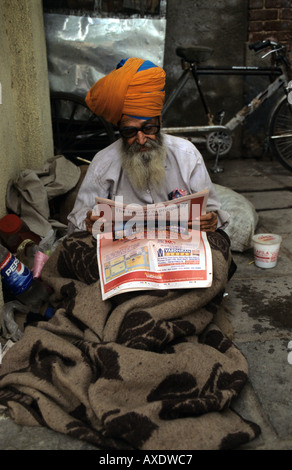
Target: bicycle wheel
{"points": [[280, 132], [76, 130]]}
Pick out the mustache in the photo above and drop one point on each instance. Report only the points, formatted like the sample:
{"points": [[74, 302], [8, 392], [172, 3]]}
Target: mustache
{"points": [[136, 147], [149, 144]]}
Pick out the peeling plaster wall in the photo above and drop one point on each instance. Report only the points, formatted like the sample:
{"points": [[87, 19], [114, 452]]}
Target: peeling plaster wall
{"points": [[8, 142], [25, 119], [24, 30]]}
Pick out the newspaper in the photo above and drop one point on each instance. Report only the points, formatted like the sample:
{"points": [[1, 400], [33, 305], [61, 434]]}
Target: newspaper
{"points": [[154, 249]]}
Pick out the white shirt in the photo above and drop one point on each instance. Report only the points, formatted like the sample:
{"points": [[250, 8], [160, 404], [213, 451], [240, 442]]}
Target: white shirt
{"points": [[184, 169]]}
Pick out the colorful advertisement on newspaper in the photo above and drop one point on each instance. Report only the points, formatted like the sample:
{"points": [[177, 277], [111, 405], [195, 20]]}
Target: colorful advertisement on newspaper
{"points": [[153, 247], [141, 264]]}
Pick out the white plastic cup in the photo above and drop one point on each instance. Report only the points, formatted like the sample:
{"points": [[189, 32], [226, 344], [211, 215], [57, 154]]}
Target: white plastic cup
{"points": [[266, 248]]}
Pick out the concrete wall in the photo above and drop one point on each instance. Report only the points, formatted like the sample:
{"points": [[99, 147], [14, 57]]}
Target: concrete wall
{"points": [[25, 120], [221, 25], [227, 26]]}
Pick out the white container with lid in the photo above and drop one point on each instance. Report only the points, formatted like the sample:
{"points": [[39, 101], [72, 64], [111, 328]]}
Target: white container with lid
{"points": [[266, 249]]}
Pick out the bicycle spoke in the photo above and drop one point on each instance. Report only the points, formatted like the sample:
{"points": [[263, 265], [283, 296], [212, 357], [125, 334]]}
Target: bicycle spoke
{"points": [[281, 136], [283, 122], [76, 130], [70, 123], [280, 133], [287, 148]]}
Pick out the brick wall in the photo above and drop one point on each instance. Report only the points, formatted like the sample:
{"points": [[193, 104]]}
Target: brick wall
{"points": [[270, 19]]}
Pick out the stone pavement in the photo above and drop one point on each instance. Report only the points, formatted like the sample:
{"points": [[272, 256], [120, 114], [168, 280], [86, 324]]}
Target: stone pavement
{"points": [[259, 303], [259, 308]]}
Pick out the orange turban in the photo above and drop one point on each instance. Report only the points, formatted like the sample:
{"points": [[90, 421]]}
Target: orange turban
{"points": [[135, 88]]}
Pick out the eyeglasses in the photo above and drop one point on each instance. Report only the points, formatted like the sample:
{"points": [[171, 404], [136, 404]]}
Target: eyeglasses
{"points": [[147, 129]]}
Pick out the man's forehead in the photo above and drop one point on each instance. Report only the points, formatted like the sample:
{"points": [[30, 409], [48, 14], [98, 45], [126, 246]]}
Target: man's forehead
{"points": [[130, 121]]}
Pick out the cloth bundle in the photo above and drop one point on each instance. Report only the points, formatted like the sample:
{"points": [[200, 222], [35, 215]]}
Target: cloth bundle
{"points": [[243, 222], [143, 370], [29, 194]]}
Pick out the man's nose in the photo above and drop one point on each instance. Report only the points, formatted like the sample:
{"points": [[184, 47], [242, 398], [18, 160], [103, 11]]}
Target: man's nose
{"points": [[141, 138]]}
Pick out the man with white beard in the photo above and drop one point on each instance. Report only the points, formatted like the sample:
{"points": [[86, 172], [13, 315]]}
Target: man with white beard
{"points": [[145, 166]]}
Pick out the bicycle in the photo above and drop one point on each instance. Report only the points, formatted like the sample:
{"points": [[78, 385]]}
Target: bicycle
{"points": [[218, 138], [77, 132]]}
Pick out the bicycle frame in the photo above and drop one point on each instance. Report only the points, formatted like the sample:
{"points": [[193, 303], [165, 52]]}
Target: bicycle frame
{"points": [[256, 102], [243, 113]]}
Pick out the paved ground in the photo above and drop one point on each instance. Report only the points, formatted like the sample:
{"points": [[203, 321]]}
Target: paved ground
{"points": [[259, 307], [260, 302]]}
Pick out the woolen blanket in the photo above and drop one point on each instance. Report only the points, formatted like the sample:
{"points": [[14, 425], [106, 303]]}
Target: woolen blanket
{"points": [[143, 370]]}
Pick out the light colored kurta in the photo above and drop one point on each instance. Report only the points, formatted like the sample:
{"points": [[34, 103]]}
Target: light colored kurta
{"points": [[185, 169]]}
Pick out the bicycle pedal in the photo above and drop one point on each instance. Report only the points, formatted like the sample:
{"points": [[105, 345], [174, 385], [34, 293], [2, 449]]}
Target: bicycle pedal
{"points": [[217, 169], [218, 118]]}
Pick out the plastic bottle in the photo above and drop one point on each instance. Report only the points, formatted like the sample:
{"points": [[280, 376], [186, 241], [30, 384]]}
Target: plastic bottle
{"points": [[13, 231], [31, 255], [19, 280], [26, 252], [35, 255]]}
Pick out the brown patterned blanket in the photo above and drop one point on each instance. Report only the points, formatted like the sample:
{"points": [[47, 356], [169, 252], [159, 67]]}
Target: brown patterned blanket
{"points": [[145, 370]]}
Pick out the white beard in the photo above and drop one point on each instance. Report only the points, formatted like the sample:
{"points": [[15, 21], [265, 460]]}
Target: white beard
{"points": [[145, 168]]}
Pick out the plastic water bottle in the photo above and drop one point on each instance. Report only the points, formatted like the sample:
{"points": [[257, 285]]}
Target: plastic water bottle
{"points": [[19, 280]]}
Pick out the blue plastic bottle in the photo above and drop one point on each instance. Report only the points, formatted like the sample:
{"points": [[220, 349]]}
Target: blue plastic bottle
{"points": [[18, 279]]}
